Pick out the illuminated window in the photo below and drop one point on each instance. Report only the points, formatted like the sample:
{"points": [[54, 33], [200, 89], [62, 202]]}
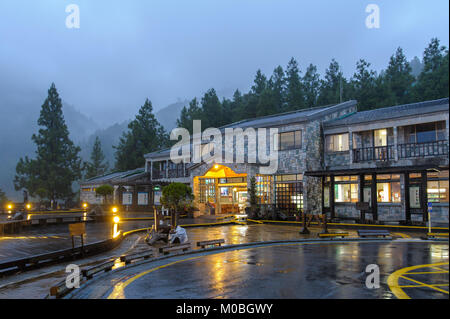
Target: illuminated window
{"points": [[388, 188], [337, 143], [346, 189], [263, 188], [437, 187], [380, 137], [289, 193]]}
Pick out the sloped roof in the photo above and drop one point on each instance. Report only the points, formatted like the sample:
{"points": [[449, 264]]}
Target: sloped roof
{"points": [[387, 113], [115, 177], [274, 120]]}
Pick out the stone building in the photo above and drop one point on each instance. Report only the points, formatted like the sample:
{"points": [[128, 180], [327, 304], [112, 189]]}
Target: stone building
{"points": [[385, 165], [132, 190]]}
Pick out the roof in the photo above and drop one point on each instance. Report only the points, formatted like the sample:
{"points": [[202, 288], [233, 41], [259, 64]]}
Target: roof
{"points": [[392, 112], [115, 177], [274, 120]]}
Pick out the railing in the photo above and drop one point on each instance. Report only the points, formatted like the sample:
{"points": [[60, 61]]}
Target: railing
{"points": [[158, 174], [423, 149], [377, 153], [386, 153]]}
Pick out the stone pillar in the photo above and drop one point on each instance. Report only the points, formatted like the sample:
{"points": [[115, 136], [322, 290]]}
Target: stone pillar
{"points": [[350, 145], [447, 128], [167, 168], [395, 143], [151, 170]]}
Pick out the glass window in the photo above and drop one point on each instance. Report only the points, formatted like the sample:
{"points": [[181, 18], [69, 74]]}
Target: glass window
{"points": [[290, 140], [337, 143], [346, 193], [388, 192], [380, 137], [438, 187], [263, 188], [426, 132]]}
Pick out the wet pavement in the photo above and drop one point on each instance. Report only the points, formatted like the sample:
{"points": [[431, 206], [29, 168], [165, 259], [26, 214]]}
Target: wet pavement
{"points": [[306, 270], [36, 240]]}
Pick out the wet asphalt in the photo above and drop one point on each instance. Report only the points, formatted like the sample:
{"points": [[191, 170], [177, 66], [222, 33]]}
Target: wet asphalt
{"points": [[309, 270]]}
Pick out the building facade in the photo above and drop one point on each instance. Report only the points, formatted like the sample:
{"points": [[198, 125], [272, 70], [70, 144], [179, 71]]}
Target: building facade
{"points": [[385, 165]]}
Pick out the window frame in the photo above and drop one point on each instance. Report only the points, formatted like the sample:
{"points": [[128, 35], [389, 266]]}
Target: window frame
{"points": [[296, 146], [331, 137]]}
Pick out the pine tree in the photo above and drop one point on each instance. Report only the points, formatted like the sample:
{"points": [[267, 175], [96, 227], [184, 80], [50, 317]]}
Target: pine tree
{"points": [[144, 135], [332, 89], [3, 199], [433, 80], [57, 164], [97, 166], [294, 90], [311, 85], [211, 110], [364, 86], [189, 114], [399, 78]]}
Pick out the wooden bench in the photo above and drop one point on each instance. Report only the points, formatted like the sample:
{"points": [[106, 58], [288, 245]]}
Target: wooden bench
{"points": [[129, 258], [61, 289], [373, 233], [331, 235], [435, 235], [171, 248], [214, 242], [91, 271]]}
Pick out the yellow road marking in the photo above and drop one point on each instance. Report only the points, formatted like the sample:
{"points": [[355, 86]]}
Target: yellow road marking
{"points": [[394, 277], [418, 286], [428, 272], [424, 284], [402, 235]]}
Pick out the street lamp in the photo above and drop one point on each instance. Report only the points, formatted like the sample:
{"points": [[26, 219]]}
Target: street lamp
{"points": [[28, 206], [85, 205]]}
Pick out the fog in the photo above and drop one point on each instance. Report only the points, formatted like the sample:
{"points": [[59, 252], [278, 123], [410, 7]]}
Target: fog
{"points": [[174, 50]]}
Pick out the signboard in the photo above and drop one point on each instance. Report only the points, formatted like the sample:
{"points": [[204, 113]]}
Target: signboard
{"points": [[78, 229], [414, 197], [127, 198], [157, 197], [157, 188], [142, 198], [362, 206]]}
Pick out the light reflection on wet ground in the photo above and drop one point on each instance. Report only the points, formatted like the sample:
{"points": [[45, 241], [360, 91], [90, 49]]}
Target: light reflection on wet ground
{"points": [[320, 270]]}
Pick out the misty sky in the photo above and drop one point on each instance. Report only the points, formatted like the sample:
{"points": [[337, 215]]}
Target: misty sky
{"points": [[166, 50]]}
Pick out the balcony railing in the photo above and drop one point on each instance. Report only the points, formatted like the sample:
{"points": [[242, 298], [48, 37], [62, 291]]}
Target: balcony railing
{"points": [[156, 174], [410, 150], [377, 153], [423, 149]]}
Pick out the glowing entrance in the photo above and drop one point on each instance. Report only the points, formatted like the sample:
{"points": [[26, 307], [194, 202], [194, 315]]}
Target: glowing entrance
{"points": [[221, 191]]}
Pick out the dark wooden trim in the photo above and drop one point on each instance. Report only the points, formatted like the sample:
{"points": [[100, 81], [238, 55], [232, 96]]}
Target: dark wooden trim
{"points": [[423, 196], [373, 195], [333, 213], [407, 198], [361, 195]]}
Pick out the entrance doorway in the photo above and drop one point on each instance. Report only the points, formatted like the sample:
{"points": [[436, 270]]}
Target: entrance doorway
{"points": [[221, 191]]}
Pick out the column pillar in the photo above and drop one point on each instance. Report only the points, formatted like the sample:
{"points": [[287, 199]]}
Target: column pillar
{"points": [[167, 168], [395, 143], [350, 145]]}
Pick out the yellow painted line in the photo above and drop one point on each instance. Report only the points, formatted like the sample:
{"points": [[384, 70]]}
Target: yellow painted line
{"points": [[119, 288], [393, 279], [418, 286], [401, 235], [428, 272], [255, 221], [358, 225], [424, 284]]}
